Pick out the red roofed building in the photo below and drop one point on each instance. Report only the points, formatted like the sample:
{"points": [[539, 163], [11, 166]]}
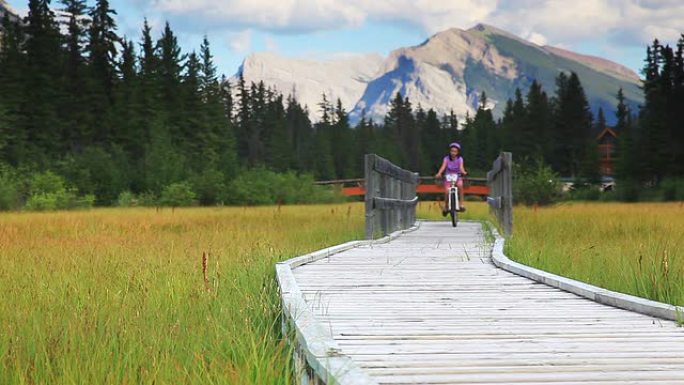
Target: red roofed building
{"points": [[607, 141]]}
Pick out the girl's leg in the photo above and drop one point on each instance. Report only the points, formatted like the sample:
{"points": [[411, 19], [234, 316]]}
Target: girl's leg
{"points": [[461, 200]]}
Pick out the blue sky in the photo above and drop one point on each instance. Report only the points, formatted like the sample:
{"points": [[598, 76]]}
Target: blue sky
{"points": [[614, 29]]}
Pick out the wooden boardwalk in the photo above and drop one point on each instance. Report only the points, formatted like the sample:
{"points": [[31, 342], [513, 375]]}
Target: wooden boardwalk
{"points": [[431, 308]]}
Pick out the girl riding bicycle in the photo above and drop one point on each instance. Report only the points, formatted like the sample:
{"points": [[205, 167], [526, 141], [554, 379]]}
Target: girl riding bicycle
{"points": [[453, 164]]}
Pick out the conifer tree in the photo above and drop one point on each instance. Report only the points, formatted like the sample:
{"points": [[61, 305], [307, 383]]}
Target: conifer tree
{"points": [[539, 120], [573, 125], [77, 119], [43, 49], [13, 95]]}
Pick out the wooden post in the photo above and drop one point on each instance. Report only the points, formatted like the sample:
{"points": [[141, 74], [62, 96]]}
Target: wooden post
{"points": [[390, 196], [507, 193], [371, 186], [500, 182]]}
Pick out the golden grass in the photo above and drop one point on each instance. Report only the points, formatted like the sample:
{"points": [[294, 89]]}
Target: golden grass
{"points": [[119, 295], [636, 249], [125, 296], [631, 248]]}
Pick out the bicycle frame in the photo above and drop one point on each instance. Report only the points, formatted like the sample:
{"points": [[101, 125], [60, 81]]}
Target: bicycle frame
{"points": [[453, 189]]}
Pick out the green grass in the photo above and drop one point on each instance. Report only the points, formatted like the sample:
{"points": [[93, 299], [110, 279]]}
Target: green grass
{"points": [[636, 249], [119, 295]]}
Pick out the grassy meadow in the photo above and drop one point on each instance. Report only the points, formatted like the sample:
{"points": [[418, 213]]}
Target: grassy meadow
{"points": [[124, 296], [120, 296], [631, 248]]}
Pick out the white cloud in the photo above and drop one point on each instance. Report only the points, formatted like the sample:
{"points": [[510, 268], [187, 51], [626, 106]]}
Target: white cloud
{"points": [[536, 38], [631, 22], [240, 42], [271, 44], [545, 21]]}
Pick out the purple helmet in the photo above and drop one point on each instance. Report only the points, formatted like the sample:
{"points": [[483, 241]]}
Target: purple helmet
{"points": [[454, 144]]}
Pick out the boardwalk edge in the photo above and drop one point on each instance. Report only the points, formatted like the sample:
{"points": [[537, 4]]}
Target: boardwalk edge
{"points": [[319, 356], [594, 293]]}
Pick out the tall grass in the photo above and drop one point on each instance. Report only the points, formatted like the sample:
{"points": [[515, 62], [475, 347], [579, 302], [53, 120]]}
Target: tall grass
{"points": [[636, 249], [139, 296], [633, 248]]}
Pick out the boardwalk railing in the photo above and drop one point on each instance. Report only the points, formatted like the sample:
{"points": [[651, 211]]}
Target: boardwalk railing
{"points": [[426, 185], [390, 196], [500, 182]]}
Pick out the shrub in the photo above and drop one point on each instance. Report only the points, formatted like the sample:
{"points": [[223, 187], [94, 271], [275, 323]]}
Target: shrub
{"points": [[46, 183], [9, 188], [127, 199], [672, 189], [148, 199], [535, 184], [177, 195], [628, 190], [262, 187], [209, 186], [48, 191], [585, 193]]}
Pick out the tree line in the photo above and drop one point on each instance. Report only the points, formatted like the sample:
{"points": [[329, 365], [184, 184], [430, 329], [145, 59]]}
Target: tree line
{"points": [[110, 115]]}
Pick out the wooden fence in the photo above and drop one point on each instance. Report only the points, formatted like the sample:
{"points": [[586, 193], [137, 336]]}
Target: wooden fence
{"points": [[390, 197], [429, 186], [500, 182]]}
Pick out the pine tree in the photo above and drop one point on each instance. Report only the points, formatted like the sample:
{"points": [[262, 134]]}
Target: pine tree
{"points": [[626, 161], [302, 134], [540, 123], [279, 141], [484, 140], [404, 138], [102, 53], [150, 88], [13, 95], [77, 118], [433, 143], [217, 113], [196, 139], [228, 162], [243, 119], [169, 77], [42, 85], [573, 126], [342, 144], [652, 135], [129, 122], [256, 134]]}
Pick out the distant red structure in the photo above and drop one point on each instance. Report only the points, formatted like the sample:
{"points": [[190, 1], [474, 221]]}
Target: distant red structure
{"points": [[427, 185], [607, 141]]}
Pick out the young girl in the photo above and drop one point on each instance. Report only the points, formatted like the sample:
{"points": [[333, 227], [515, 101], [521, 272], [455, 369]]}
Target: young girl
{"points": [[453, 164]]}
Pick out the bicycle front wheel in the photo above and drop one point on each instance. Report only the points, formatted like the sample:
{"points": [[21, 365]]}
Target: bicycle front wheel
{"points": [[452, 211]]}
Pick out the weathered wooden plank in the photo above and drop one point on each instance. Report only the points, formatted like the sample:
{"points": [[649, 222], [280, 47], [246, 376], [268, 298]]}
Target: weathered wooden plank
{"points": [[417, 310]]}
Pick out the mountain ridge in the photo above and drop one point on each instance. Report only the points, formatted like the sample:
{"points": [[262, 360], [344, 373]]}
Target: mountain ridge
{"points": [[447, 72]]}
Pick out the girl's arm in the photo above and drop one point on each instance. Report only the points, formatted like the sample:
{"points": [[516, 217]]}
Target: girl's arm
{"points": [[441, 169], [463, 170]]}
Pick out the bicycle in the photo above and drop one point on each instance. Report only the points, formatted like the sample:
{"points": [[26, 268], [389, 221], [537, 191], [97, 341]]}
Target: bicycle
{"points": [[453, 203]]}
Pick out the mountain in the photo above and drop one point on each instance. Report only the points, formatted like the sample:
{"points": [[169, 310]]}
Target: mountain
{"points": [[5, 8], [344, 77], [447, 72]]}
